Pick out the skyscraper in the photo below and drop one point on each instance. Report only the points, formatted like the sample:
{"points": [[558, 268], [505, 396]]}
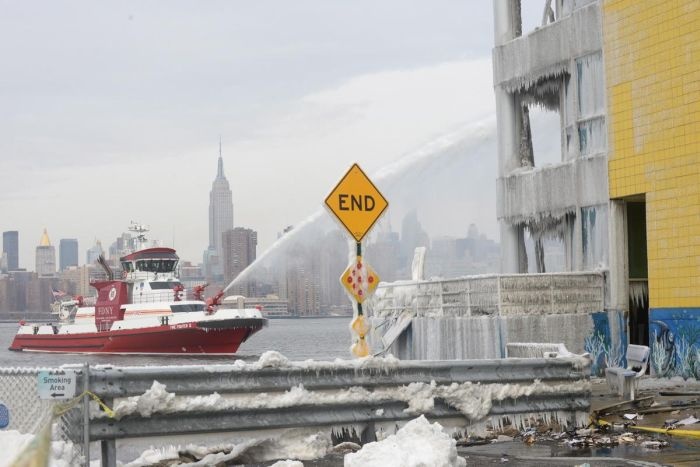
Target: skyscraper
{"points": [[94, 253], [45, 257], [67, 253], [239, 247], [10, 245], [220, 220]]}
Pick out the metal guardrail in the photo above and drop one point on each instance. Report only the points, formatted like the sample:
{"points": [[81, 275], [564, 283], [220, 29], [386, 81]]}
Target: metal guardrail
{"points": [[569, 374], [196, 380]]}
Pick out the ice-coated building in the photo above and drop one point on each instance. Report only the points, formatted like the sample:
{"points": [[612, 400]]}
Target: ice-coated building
{"points": [[621, 207]]}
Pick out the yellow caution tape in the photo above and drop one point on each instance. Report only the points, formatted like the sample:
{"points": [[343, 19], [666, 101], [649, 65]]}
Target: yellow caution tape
{"points": [[60, 409]]}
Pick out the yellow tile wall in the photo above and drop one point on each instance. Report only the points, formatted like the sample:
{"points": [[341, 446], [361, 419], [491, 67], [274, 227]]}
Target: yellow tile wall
{"points": [[651, 50]]}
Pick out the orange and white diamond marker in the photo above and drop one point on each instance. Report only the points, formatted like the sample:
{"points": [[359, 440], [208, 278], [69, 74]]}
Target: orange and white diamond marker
{"points": [[360, 280]]}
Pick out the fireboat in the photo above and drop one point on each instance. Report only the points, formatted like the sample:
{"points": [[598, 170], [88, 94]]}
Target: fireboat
{"points": [[142, 312]]}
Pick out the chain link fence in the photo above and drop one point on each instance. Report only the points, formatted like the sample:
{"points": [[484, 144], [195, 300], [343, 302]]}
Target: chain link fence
{"points": [[22, 410]]}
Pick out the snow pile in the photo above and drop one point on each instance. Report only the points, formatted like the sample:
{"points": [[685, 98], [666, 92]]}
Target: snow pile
{"points": [[273, 359], [155, 456], [287, 463], [216, 458], [63, 453], [301, 444], [12, 442], [156, 399], [473, 400], [417, 444]]}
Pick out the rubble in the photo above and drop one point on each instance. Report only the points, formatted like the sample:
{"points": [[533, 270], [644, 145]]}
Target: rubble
{"points": [[604, 434]]}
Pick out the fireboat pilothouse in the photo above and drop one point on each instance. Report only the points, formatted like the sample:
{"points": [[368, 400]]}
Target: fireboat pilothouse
{"points": [[142, 312]]}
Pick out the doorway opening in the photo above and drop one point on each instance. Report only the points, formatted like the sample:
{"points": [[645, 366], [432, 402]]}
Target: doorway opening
{"points": [[638, 272]]}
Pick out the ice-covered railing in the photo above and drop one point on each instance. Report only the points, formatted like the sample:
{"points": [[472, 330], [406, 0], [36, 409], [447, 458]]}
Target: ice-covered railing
{"points": [[492, 295], [546, 52], [553, 190], [364, 396]]}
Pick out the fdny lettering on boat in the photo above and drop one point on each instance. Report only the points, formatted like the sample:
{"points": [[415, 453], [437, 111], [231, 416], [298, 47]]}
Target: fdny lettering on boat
{"points": [[183, 325], [104, 310]]}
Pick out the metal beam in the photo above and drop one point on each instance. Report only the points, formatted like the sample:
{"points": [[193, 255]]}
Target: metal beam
{"points": [[192, 380], [313, 416]]}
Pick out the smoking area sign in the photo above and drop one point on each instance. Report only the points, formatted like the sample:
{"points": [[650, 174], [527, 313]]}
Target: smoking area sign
{"points": [[56, 385], [356, 202]]}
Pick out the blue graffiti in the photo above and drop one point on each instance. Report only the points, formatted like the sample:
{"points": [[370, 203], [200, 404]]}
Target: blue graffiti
{"points": [[607, 348], [674, 335]]}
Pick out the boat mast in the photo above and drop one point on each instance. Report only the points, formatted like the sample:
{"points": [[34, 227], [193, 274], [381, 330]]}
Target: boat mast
{"points": [[140, 231]]}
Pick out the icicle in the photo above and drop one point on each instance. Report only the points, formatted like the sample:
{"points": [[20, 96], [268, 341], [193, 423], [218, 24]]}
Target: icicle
{"points": [[639, 293]]}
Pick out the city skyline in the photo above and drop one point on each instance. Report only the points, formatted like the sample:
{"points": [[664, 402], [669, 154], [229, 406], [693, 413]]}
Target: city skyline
{"points": [[93, 148]]}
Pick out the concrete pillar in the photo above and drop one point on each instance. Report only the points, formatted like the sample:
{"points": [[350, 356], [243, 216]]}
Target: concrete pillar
{"points": [[506, 28], [618, 280]]}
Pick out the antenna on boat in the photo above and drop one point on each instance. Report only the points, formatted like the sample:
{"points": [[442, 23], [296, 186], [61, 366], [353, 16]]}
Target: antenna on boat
{"points": [[140, 231]]}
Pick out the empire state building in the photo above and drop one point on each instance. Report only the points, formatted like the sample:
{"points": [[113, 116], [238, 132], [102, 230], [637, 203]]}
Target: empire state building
{"points": [[220, 220]]}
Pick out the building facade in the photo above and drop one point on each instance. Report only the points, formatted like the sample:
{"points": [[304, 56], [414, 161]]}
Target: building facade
{"points": [[220, 220], [652, 71], [45, 257], [67, 253], [239, 251], [624, 77], [10, 246]]}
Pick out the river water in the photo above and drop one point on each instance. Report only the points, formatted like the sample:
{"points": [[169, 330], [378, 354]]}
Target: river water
{"points": [[297, 339]]}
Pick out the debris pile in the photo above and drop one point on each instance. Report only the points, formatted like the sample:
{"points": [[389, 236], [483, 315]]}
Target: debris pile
{"points": [[603, 434]]}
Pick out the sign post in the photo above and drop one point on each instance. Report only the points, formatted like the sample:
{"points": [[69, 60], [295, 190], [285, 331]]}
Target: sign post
{"points": [[357, 204]]}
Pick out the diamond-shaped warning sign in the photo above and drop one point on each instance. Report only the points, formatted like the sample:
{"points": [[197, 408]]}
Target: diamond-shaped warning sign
{"points": [[360, 280], [356, 202]]}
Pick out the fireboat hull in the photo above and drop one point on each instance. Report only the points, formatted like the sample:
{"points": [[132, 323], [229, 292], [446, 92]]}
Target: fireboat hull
{"points": [[181, 338]]}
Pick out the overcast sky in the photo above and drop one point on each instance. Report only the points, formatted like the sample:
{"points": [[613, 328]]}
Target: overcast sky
{"points": [[112, 111]]}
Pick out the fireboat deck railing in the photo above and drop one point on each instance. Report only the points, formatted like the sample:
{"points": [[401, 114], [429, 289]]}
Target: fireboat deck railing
{"points": [[491, 295], [160, 296]]}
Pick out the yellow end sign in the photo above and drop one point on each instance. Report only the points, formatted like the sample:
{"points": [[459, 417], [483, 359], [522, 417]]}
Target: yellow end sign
{"points": [[356, 202]]}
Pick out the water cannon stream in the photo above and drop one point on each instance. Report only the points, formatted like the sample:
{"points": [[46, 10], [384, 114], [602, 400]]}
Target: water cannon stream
{"points": [[391, 179]]}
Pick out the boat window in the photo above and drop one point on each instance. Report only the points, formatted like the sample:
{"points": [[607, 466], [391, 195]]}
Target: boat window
{"points": [[183, 308], [163, 285], [167, 265], [156, 265], [127, 266]]}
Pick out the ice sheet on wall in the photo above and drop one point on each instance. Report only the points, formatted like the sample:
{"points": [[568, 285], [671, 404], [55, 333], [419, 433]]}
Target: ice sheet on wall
{"points": [[591, 88], [594, 236], [592, 133]]}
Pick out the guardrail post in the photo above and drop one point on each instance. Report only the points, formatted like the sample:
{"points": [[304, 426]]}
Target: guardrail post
{"points": [[86, 413], [369, 434], [109, 446]]}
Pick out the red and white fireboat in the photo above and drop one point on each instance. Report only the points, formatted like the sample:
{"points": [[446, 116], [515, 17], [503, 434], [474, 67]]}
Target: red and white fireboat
{"points": [[143, 313]]}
